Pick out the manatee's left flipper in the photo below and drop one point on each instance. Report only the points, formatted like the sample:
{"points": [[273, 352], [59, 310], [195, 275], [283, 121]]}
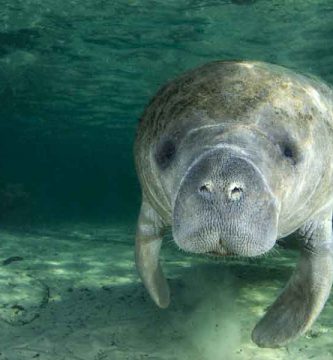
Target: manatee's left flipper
{"points": [[302, 300]]}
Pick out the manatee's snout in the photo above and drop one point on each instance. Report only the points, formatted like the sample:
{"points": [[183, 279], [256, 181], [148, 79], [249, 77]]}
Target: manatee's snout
{"points": [[225, 206]]}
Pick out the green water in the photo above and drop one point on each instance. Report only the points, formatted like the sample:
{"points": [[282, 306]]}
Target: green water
{"points": [[75, 77]]}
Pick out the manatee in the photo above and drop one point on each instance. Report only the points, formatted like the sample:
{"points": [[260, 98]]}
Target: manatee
{"points": [[235, 155]]}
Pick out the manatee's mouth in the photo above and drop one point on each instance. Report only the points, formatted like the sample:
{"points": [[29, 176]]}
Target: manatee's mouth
{"points": [[219, 253]]}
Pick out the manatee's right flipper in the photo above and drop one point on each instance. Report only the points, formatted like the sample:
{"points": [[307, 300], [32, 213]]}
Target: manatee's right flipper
{"points": [[147, 247], [302, 300]]}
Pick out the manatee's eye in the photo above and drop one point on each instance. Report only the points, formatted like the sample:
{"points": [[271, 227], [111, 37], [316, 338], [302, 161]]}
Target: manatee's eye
{"points": [[289, 151], [165, 153]]}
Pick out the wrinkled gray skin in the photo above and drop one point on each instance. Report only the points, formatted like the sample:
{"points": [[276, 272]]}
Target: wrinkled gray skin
{"points": [[235, 155]]}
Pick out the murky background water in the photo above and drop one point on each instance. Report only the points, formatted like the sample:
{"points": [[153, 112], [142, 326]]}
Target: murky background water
{"points": [[74, 78]]}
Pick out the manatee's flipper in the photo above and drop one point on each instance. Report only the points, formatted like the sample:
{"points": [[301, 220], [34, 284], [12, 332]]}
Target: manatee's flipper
{"points": [[147, 247], [302, 300]]}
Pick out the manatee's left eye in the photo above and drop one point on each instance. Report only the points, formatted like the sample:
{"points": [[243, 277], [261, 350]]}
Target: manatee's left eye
{"points": [[165, 153]]}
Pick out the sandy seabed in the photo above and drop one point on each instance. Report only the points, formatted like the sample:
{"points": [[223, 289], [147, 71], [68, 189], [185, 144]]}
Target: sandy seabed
{"points": [[72, 292]]}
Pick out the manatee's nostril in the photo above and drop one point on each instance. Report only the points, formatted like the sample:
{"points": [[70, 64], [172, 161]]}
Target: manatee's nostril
{"points": [[205, 188], [236, 190], [235, 193]]}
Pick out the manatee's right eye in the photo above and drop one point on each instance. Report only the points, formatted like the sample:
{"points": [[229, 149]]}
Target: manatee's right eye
{"points": [[165, 153]]}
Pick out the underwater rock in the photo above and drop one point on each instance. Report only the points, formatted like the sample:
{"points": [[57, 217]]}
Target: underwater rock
{"points": [[12, 259], [21, 297]]}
